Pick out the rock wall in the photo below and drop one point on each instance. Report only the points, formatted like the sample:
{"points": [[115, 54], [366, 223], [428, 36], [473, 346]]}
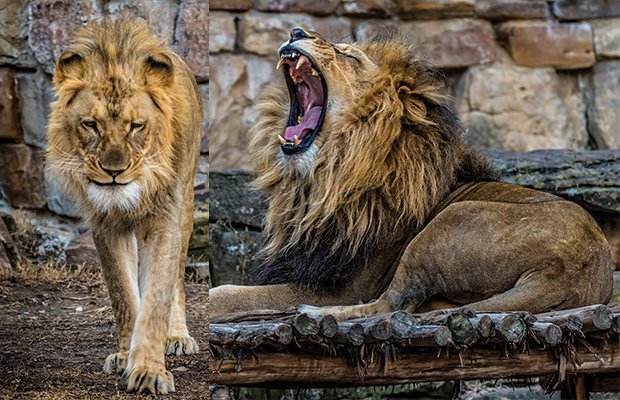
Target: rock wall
{"points": [[525, 74], [32, 36]]}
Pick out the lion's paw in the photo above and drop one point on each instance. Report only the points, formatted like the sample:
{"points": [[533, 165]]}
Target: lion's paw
{"points": [[115, 363], [310, 310], [181, 345], [143, 379]]}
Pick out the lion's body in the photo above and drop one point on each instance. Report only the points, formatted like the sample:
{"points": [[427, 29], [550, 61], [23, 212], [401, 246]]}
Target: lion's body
{"points": [[124, 140], [390, 204]]}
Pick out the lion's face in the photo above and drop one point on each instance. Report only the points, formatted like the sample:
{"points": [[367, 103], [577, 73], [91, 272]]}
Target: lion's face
{"points": [[113, 141], [322, 79], [110, 130]]}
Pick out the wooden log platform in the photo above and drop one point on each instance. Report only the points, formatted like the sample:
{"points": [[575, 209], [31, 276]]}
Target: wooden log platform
{"points": [[278, 349]]}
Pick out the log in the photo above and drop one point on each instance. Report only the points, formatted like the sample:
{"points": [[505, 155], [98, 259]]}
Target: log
{"points": [[547, 332], [509, 326], [462, 329], [306, 325], [512, 328], [588, 318], [250, 335], [484, 325], [439, 317], [278, 369], [254, 315], [350, 333], [429, 336], [328, 326], [398, 324]]}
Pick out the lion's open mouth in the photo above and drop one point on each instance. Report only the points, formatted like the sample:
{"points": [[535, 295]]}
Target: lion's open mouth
{"points": [[308, 93]]}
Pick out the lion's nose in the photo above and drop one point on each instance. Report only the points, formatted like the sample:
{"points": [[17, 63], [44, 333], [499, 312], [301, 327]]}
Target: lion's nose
{"points": [[297, 34]]}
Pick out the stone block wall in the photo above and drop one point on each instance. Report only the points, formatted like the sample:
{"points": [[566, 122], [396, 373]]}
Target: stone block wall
{"points": [[33, 33], [525, 74]]}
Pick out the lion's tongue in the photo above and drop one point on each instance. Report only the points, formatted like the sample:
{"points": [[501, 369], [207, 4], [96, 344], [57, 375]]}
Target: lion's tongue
{"points": [[309, 122]]}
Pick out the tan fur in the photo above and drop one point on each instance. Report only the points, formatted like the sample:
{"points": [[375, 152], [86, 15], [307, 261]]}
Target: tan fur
{"points": [[128, 111], [393, 180]]}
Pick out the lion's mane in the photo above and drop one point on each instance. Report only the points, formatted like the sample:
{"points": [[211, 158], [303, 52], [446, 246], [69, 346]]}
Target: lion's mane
{"points": [[386, 162], [115, 58]]}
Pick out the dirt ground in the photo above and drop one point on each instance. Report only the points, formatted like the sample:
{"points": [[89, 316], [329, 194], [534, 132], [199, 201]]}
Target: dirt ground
{"points": [[57, 328]]}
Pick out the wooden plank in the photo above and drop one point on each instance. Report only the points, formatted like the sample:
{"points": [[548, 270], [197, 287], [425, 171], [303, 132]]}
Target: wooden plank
{"points": [[280, 369]]}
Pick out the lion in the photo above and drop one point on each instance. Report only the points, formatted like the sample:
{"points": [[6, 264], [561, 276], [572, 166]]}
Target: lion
{"points": [[376, 202], [124, 140]]}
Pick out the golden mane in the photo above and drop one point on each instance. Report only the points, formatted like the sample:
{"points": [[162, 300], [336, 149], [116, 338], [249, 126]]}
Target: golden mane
{"points": [[386, 162]]}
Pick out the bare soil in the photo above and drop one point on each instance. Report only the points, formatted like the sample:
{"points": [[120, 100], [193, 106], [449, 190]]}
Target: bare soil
{"points": [[57, 328]]}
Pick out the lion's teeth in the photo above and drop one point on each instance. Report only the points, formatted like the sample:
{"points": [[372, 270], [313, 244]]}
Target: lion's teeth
{"points": [[282, 141], [297, 141], [302, 61], [314, 73], [280, 63], [299, 119]]}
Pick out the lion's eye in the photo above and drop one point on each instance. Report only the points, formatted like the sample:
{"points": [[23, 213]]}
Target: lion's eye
{"points": [[136, 126], [90, 124]]}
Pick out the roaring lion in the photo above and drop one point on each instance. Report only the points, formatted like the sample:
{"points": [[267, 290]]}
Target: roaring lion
{"points": [[377, 203], [124, 139]]}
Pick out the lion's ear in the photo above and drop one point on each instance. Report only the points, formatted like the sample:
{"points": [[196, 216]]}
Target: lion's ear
{"points": [[158, 70], [69, 65]]}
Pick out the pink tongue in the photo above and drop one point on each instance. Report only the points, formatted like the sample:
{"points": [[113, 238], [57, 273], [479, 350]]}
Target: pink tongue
{"points": [[309, 122]]}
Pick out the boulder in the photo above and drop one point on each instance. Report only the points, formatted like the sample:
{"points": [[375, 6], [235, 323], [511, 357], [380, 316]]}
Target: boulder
{"points": [[366, 8], [512, 9], [35, 92], [81, 251], [263, 33], [606, 37], [224, 32], [317, 7], [192, 37], [447, 43], [230, 5], [10, 127], [160, 15], [21, 175], [14, 34], [433, 9], [604, 105], [521, 109], [549, 44], [583, 9], [52, 23]]}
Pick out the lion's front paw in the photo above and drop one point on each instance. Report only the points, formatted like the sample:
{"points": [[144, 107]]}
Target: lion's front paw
{"points": [[143, 379], [310, 310], [181, 345], [115, 363]]}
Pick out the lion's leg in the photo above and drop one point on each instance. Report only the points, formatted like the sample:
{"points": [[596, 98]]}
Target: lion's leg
{"points": [[179, 341], [158, 277], [119, 261], [232, 298]]}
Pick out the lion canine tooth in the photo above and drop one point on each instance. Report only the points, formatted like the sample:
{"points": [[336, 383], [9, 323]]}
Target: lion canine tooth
{"points": [[280, 63], [282, 141], [314, 73], [302, 61], [299, 119], [297, 141]]}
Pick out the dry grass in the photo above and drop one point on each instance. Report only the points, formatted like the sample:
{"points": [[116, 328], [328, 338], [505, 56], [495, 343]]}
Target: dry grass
{"points": [[51, 273]]}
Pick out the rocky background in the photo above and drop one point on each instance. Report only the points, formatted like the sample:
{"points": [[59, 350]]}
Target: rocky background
{"points": [[524, 75], [33, 33]]}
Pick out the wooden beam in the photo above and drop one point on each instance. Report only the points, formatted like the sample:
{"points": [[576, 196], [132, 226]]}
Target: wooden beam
{"points": [[281, 369]]}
